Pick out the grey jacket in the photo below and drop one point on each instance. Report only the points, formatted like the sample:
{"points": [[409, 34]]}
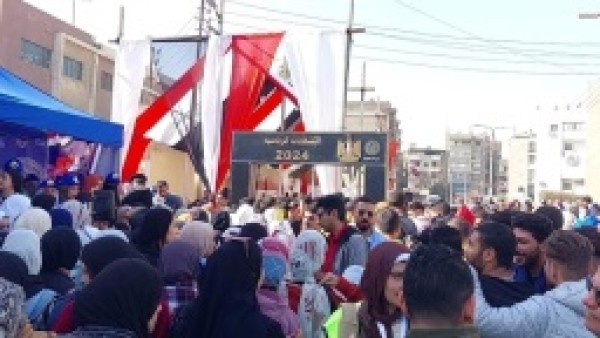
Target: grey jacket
{"points": [[353, 252], [557, 313]]}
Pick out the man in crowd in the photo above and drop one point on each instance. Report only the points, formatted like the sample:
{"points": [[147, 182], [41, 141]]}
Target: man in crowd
{"points": [[345, 246], [553, 213], [388, 222], [165, 197], [557, 313], [592, 234], [32, 184], [140, 195], [490, 250], [531, 230], [444, 305], [399, 204], [592, 304], [364, 216]]}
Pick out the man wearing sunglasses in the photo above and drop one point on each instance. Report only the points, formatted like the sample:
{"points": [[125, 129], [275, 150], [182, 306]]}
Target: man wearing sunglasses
{"points": [[364, 216], [557, 313]]}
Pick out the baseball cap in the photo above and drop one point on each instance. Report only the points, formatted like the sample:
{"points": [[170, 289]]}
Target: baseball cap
{"points": [[13, 165]]}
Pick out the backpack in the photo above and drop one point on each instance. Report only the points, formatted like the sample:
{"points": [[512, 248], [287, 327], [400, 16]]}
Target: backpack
{"points": [[45, 307]]}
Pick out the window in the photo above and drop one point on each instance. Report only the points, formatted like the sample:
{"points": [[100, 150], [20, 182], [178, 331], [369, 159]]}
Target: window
{"points": [[531, 159], [434, 164], [568, 146], [554, 127], [72, 68], [426, 164], [433, 176], [532, 146], [567, 185], [35, 54], [106, 81], [573, 126], [530, 175]]}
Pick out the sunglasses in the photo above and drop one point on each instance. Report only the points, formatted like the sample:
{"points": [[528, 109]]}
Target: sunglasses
{"points": [[362, 213], [590, 288]]}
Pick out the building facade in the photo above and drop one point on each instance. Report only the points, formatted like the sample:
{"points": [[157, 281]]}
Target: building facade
{"points": [[522, 155], [378, 116], [592, 107], [561, 142], [56, 57], [426, 171], [473, 165]]}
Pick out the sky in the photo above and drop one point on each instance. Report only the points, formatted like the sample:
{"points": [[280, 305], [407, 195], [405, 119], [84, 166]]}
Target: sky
{"points": [[513, 61]]}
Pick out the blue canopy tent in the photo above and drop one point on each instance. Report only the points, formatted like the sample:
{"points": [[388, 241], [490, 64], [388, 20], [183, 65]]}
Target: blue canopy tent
{"points": [[25, 105]]}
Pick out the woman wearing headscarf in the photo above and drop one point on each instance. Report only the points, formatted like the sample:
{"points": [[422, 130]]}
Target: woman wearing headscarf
{"points": [[306, 297], [272, 302], [226, 306], [179, 267], [35, 219], [26, 245], [379, 315], [61, 248], [82, 220], [13, 269], [61, 218], [13, 320], [95, 257], [158, 229], [122, 301], [201, 235]]}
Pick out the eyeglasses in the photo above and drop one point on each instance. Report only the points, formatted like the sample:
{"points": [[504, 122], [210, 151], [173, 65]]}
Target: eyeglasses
{"points": [[361, 213], [591, 288]]}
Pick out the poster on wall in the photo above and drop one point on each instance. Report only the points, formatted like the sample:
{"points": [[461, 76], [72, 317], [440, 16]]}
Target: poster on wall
{"points": [[27, 145]]}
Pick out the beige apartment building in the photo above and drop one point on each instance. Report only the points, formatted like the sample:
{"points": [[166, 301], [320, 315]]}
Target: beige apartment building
{"points": [[592, 173], [69, 64], [521, 169]]}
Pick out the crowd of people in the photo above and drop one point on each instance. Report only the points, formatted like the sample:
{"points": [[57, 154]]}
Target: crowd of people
{"points": [[286, 267]]}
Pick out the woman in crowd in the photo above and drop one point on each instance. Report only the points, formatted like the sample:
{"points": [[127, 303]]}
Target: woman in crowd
{"points": [[13, 320], [226, 306], [179, 268], [82, 220], [379, 315], [103, 251], [306, 297], [122, 301], [158, 229], [35, 219], [272, 302], [13, 269], [201, 235], [26, 245], [95, 257], [61, 248]]}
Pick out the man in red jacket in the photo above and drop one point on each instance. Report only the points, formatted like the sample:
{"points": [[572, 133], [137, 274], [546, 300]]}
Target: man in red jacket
{"points": [[345, 247]]}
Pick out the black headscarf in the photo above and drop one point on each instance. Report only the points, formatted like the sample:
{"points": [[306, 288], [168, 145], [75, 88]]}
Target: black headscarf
{"points": [[124, 295], [13, 269], [102, 251], [255, 231], [228, 294], [152, 234], [61, 248]]}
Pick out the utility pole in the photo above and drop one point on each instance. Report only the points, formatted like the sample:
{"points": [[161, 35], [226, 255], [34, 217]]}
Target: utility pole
{"points": [[350, 30], [363, 89]]}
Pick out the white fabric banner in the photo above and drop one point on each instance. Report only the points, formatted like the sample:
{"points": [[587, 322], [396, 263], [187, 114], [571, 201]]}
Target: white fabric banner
{"points": [[212, 104], [131, 61], [316, 64]]}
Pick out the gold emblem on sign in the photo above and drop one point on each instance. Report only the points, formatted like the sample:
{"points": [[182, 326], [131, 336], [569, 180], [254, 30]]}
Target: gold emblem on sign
{"points": [[349, 151], [372, 148]]}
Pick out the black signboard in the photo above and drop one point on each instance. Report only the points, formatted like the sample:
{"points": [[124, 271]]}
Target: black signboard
{"points": [[312, 148]]}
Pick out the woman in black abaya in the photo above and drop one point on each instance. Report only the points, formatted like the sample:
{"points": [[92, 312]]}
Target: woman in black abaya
{"points": [[226, 306]]}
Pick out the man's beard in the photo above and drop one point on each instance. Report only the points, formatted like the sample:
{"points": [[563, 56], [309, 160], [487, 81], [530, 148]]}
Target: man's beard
{"points": [[363, 226]]}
